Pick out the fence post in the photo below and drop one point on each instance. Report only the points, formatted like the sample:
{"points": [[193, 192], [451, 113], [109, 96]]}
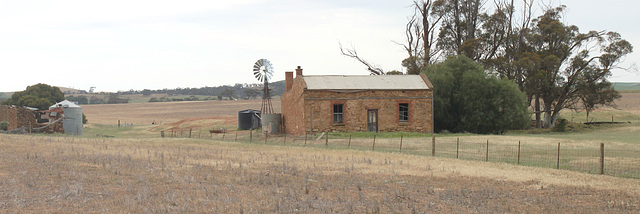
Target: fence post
{"points": [[266, 137], [250, 135], [400, 143], [602, 158], [433, 145], [326, 140], [518, 152], [285, 138], [373, 148], [558, 160], [236, 139], [349, 146], [486, 157], [305, 139], [457, 148], [162, 134]]}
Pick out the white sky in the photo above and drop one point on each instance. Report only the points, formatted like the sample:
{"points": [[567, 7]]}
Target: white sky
{"points": [[128, 44]]}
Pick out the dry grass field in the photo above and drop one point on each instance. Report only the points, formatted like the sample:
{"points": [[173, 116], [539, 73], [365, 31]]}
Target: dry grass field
{"points": [[138, 172], [42, 174]]}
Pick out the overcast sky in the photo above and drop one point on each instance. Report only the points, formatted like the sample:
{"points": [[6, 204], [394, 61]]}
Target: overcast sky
{"points": [[127, 44]]}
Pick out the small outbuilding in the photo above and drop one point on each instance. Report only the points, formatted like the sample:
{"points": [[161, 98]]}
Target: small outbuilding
{"points": [[249, 119], [353, 103], [72, 121]]}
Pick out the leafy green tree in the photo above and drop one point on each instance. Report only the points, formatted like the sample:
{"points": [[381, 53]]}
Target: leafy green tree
{"points": [[228, 92], [466, 99], [593, 92], [251, 93], [39, 96], [96, 100]]}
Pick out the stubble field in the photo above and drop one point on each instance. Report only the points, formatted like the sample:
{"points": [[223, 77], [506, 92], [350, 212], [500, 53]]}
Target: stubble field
{"points": [[139, 172]]}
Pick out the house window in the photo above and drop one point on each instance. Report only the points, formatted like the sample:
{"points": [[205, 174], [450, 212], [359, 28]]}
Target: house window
{"points": [[338, 116], [403, 112]]}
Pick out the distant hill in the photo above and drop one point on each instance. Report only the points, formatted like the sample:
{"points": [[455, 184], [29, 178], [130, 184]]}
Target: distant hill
{"points": [[626, 86]]}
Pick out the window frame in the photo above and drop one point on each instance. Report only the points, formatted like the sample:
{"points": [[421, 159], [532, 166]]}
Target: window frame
{"points": [[402, 114], [337, 115]]}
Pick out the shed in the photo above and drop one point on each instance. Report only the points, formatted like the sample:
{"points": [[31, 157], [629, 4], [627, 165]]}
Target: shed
{"points": [[249, 119], [72, 121]]}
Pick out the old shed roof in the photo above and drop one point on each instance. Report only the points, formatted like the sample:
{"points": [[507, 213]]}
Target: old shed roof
{"points": [[365, 82]]}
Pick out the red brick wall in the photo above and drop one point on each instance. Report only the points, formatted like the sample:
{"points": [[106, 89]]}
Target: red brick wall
{"points": [[298, 104]]}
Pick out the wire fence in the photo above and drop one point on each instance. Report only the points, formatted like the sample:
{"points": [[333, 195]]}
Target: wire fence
{"points": [[613, 159]]}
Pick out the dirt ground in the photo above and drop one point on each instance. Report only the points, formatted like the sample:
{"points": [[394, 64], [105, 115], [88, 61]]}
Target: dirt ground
{"points": [[42, 174]]}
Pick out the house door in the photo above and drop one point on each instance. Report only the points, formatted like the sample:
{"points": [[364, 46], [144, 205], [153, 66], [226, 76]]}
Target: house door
{"points": [[372, 118]]}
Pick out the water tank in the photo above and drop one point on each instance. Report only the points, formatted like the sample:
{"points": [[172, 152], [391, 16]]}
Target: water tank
{"points": [[271, 123], [72, 122], [248, 119]]}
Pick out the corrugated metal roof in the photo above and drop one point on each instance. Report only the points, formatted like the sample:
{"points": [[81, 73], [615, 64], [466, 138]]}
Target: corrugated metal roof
{"points": [[365, 82]]}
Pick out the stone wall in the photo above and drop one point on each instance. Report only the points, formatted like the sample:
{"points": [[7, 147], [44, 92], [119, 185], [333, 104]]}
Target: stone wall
{"points": [[356, 106], [293, 109], [17, 117], [303, 109]]}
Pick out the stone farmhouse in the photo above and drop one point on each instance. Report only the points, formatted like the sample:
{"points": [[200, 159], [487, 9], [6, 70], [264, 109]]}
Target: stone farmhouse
{"points": [[356, 103]]}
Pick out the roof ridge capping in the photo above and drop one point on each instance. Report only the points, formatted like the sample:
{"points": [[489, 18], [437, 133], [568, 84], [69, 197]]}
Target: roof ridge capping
{"points": [[367, 82]]}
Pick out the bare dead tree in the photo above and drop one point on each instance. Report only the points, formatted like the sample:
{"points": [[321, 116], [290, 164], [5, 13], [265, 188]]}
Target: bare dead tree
{"points": [[352, 53]]}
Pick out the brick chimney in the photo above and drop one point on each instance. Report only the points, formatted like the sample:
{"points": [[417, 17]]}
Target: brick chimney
{"points": [[298, 71], [288, 80]]}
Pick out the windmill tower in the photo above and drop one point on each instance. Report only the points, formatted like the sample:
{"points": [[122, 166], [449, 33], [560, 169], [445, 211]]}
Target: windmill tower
{"points": [[263, 71]]}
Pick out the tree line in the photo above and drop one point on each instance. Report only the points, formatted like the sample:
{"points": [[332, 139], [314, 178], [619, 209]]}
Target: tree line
{"points": [[555, 65]]}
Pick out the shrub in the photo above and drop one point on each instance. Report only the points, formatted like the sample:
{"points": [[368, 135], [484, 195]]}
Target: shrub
{"points": [[561, 125], [4, 125]]}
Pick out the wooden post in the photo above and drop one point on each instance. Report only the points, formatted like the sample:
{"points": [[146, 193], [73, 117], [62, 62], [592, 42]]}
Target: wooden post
{"points": [[266, 137], [558, 160], [326, 140], [611, 119], [433, 145], [162, 134], [457, 148], [400, 143], [518, 152], [250, 135], [190, 133], [349, 146], [285, 139], [234, 140], [118, 123], [602, 158], [486, 157], [305, 139], [373, 148]]}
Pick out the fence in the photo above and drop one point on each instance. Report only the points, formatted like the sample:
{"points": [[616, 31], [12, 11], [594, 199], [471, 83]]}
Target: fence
{"points": [[615, 160]]}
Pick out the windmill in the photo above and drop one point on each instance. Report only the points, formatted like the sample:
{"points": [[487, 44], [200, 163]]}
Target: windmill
{"points": [[263, 71]]}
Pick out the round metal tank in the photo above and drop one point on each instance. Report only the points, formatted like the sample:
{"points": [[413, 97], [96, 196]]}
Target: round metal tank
{"points": [[271, 123], [248, 119], [72, 122]]}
